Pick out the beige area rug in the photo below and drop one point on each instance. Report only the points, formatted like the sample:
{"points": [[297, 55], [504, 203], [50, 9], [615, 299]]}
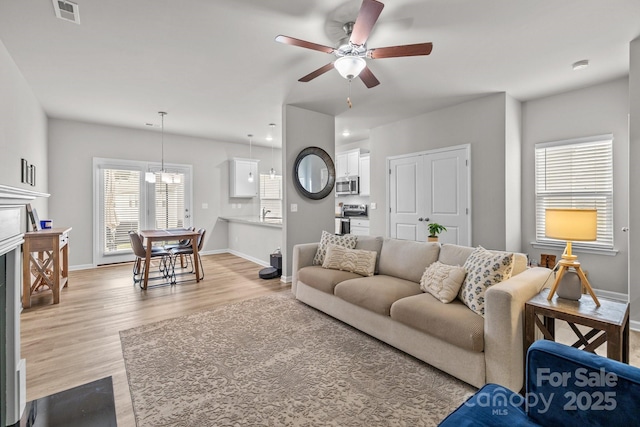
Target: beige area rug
{"points": [[273, 361]]}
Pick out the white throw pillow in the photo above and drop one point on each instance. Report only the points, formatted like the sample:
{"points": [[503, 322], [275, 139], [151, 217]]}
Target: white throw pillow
{"points": [[484, 268], [346, 241], [442, 281], [354, 260]]}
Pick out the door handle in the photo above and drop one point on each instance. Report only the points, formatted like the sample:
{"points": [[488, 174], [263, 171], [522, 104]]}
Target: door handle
{"points": [[420, 219]]}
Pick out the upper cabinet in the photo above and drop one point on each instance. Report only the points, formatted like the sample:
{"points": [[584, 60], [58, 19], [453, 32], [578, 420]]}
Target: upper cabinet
{"points": [[348, 163], [239, 183], [365, 175]]}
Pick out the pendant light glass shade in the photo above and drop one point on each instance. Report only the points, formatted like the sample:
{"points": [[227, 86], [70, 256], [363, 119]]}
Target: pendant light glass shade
{"points": [[272, 171]]}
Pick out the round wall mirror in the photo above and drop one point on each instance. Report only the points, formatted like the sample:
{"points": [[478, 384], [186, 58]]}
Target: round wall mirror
{"points": [[314, 173]]}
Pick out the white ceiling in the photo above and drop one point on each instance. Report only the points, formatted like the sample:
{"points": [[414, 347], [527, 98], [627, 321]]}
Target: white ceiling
{"points": [[214, 66]]}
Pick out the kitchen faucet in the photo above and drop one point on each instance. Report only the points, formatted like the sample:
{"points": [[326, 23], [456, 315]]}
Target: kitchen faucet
{"points": [[265, 211]]}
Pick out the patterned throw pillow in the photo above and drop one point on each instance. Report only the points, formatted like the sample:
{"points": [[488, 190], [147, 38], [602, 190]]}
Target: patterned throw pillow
{"points": [[484, 268], [354, 260], [347, 241], [442, 281]]}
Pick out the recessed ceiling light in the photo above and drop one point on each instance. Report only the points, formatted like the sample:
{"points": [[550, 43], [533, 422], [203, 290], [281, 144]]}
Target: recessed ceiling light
{"points": [[579, 65], [346, 132]]}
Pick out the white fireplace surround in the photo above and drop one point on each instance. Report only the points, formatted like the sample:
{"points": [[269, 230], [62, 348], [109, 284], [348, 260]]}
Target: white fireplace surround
{"points": [[12, 221]]}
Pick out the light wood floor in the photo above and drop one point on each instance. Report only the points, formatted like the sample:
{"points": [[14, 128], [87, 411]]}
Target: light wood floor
{"points": [[77, 341]]}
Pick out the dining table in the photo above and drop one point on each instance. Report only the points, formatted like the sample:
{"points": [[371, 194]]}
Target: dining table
{"points": [[168, 235]]}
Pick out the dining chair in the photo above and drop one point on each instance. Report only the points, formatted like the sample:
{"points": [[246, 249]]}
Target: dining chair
{"points": [[140, 251], [187, 251], [181, 244]]}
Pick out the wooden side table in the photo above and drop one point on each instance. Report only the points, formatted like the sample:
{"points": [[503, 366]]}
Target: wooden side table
{"points": [[45, 262], [609, 322]]}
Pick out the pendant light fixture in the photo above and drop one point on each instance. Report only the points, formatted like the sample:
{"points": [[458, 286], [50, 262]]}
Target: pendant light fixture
{"points": [[250, 178], [272, 171], [165, 177]]}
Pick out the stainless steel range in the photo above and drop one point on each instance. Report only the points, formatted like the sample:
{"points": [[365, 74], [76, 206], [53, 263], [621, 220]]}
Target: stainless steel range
{"points": [[343, 223]]}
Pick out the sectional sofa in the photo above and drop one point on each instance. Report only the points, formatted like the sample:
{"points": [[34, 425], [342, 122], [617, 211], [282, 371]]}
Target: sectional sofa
{"points": [[390, 306]]}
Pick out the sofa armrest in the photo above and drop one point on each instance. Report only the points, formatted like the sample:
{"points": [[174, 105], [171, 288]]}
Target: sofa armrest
{"points": [[504, 325], [303, 255]]}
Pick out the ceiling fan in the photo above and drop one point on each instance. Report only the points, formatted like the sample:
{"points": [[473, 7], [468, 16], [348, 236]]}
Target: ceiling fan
{"points": [[352, 50]]}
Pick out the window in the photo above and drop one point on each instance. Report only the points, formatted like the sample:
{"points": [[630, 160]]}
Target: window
{"points": [[120, 208], [576, 173], [271, 195]]}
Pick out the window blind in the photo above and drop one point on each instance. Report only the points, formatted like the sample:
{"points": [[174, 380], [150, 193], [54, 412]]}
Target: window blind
{"points": [[271, 195], [120, 208], [169, 201], [576, 174]]}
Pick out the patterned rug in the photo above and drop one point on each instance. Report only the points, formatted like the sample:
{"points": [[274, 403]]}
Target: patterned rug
{"points": [[273, 361]]}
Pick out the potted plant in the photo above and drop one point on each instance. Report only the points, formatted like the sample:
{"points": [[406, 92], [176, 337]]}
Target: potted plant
{"points": [[434, 230]]}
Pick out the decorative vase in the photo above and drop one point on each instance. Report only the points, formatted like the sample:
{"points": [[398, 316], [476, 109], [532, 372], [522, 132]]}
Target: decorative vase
{"points": [[570, 287], [432, 238]]}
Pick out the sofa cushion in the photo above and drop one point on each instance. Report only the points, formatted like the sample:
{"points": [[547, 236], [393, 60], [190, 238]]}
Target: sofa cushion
{"points": [[371, 243], [453, 323], [442, 281], [484, 269], [407, 259], [347, 241], [322, 279], [454, 254], [354, 260], [376, 293]]}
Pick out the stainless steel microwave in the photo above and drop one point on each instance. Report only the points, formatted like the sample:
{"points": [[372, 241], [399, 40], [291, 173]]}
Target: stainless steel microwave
{"points": [[348, 185]]}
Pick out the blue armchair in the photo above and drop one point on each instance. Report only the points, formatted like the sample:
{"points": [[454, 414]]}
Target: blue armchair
{"points": [[564, 387]]}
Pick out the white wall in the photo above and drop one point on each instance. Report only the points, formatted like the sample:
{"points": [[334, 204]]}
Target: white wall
{"points": [[72, 146], [634, 177], [481, 123], [513, 174], [23, 131], [255, 242], [595, 110], [302, 129]]}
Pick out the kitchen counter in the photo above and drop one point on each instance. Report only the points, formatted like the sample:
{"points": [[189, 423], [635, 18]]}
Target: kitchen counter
{"points": [[254, 220]]}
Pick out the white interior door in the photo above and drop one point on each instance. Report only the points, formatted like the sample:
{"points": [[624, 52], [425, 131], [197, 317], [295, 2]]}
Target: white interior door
{"points": [[447, 189], [406, 198], [430, 187]]}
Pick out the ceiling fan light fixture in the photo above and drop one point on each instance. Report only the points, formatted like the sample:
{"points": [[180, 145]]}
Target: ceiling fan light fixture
{"points": [[350, 67]]}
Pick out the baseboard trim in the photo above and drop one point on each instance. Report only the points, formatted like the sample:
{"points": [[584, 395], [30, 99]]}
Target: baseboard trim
{"points": [[617, 296], [286, 279], [215, 252], [249, 258], [81, 267]]}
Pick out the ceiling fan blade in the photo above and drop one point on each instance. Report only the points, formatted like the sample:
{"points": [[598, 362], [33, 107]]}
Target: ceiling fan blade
{"points": [[397, 51], [303, 43], [320, 71], [367, 17], [368, 78]]}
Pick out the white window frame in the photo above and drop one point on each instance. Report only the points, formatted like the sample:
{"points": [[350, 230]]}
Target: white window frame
{"points": [[147, 209], [599, 195]]}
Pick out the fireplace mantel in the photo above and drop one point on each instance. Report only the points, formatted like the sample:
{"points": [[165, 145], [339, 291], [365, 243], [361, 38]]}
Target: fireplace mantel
{"points": [[14, 195]]}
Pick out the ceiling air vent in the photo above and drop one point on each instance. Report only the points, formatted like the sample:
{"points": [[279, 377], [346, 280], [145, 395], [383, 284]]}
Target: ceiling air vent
{"points": [[67, 10]]}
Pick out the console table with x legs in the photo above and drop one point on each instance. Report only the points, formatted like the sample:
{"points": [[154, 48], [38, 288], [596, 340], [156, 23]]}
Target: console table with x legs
{"points": [[609, 322], [45, 262]]}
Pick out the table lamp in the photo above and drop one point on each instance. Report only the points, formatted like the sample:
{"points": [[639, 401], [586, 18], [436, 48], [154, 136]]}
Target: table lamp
{"points": [[572, 225]]}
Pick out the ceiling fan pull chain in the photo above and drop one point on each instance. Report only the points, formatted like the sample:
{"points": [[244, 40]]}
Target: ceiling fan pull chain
{"points": [[349, 97]]}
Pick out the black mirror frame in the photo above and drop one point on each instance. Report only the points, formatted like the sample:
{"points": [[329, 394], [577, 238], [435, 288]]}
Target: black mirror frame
{"points": [[326, 158]]}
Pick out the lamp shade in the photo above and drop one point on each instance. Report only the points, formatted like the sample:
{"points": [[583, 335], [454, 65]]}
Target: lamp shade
{"points": [[349, 66], [573, 225]]}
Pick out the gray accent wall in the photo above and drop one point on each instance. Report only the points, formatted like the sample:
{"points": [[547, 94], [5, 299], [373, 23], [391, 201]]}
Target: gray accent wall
{"points": [[302, 129], [595, 110], [23, 132], [480, 123]]}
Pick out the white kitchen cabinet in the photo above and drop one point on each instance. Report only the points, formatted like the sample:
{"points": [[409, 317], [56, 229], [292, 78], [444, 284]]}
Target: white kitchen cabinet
{"points": [[239, 185], [359, 227], [365, 175], [348, 163]]}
